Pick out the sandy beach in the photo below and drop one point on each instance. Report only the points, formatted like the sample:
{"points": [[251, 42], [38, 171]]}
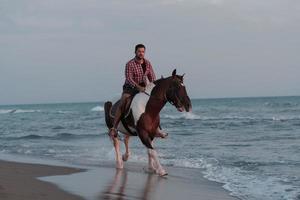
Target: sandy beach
{"points": [[36, 181], [136, 182], [18, 181]]}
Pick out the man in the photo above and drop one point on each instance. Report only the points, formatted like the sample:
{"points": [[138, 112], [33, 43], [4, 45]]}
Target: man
{"points": [[136, 72]]}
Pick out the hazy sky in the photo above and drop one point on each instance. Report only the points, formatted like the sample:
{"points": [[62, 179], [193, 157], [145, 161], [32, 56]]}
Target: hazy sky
{"points": [[76, 50]]}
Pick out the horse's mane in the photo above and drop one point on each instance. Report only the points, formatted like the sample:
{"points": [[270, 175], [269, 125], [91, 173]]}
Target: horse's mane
{"points": [[159, 81], [161, 84]]}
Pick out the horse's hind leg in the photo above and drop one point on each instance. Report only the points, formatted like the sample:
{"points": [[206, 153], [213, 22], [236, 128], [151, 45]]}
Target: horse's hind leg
{"points": [[119, 161], [127, 152]]}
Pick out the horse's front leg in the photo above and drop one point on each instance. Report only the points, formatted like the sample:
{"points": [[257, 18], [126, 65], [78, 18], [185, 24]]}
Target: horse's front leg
{"points": [[147, 141], [127, 153], [151, 164], [119, 161], [155, 163]]}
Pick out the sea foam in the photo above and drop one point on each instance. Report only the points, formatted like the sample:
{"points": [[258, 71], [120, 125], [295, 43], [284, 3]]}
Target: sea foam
{"points": [[97, 108]]}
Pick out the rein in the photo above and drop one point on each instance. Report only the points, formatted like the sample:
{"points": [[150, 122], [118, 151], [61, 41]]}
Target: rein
{"points": [[164, 99]]}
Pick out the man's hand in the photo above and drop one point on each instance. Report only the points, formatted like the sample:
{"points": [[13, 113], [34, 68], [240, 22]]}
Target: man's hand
{"points": [[140, 88]]}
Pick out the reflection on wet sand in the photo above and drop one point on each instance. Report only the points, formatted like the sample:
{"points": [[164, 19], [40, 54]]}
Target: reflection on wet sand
{"points": [[119, 189], [135, 182]]}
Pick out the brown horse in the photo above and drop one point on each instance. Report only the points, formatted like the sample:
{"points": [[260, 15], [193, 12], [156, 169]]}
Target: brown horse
{"points": [[142, 118]]}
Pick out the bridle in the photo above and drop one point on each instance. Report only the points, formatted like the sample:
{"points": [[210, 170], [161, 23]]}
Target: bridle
{"points": [[165, 98], [172, 102]]}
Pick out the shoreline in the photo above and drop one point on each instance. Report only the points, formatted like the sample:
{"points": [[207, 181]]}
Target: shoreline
{"points": [[19, 181], [136, 182]]}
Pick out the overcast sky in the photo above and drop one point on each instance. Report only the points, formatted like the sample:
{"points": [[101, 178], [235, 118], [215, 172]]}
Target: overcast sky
{"points": [[76, 50]]}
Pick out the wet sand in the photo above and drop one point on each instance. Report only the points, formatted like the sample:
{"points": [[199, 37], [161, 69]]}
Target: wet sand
{"points": [[21, 181], [135, 182], [18, 181]]}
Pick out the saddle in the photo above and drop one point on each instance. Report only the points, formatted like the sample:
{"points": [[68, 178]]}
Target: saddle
{"points": [[126, 117], [125, 112]]}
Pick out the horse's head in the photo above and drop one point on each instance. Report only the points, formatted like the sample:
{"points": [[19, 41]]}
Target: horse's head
{"points": [[176, 93]]}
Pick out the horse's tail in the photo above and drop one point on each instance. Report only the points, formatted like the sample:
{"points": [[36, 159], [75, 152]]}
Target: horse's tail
{"points": [[108, 119]]}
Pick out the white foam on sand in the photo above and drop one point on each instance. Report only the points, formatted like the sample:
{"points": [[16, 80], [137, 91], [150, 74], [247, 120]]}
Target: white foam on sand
{"points": [[238, 182]]}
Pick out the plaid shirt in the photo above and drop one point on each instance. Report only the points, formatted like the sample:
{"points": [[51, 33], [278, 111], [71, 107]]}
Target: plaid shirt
{"points": [[134, 72]]}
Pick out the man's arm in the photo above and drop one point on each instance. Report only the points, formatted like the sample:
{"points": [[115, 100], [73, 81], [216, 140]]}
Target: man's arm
{"points": [[151, 74], [129, 75]]}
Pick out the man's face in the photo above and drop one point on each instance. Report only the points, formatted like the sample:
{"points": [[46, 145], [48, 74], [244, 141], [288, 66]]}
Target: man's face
{"points": [[140, 53]]}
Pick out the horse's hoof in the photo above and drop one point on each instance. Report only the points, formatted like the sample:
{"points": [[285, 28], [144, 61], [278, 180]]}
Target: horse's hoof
{"points": [[162, 135], [165, 135], [125, 157], [163, 174], [119, 165]]}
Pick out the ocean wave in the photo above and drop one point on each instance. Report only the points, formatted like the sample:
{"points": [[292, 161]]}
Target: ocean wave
{"points": [[58, 127], [238, 181], [63, 112], [13, 111], [284, 118], [248, 185], [6, 111], [281, 104], [187, 115], [26, 111], [193, 116], [59, 136], [198, 117], [98, 108], [273, 138]]}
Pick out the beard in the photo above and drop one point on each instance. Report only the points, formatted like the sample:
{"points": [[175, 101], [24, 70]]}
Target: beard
{"points": [[139, 57]]}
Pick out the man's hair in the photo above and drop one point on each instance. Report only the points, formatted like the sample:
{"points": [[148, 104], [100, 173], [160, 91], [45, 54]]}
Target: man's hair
{"points": [[139, 46]]}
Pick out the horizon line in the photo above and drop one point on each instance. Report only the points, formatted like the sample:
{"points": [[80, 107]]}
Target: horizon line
{"points": [[197, 98]]}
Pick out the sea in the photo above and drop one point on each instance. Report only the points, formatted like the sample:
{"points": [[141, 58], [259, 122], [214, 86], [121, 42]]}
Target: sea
{"points": [[251, 145]]}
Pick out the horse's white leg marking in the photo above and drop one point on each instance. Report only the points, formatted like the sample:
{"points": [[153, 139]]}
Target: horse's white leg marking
{"points": [[127, 152], [151, 164], [119, 162], [156, 164]]}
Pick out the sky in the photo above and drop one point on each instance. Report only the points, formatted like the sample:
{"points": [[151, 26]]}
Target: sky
{"points": [[76, 50]]}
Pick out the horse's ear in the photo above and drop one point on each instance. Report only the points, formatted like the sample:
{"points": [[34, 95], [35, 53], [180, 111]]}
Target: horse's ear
{"points": [[162, 76], [174, 73], [183, 75]]}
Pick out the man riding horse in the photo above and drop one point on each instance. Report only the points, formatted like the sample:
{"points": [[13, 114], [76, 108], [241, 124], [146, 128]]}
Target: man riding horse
{"points": [[142, 118], [137, 70]]}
